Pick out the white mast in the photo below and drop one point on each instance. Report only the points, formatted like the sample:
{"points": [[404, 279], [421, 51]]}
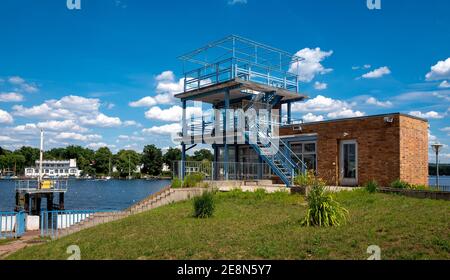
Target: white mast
{"points": [[41, 155]]}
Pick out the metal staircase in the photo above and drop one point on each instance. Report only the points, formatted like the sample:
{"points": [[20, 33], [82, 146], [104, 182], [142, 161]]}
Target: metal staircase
{"points": [[275, 152]]}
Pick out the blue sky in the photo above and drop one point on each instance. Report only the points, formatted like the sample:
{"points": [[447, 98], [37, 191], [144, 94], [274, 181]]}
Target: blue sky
{"points": [[106, 74]]}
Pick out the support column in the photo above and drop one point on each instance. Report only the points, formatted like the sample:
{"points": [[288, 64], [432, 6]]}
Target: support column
{"points": [[183, 143], [61, 201], [225, 121], [26, 206], [289, 113], [260, 168]]}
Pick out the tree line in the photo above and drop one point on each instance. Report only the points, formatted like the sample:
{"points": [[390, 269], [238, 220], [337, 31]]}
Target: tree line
{"points": [[444, 169], [100, 162]]}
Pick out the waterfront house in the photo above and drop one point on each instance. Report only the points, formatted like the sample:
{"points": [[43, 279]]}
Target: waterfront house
{"points": [[235, 76], [55, 169]]}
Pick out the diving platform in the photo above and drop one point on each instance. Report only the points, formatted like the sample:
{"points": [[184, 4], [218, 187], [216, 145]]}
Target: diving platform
{"points": [[30, 193]]}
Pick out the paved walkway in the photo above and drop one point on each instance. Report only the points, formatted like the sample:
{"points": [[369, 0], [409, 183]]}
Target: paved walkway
{"points": [[28, 239]]}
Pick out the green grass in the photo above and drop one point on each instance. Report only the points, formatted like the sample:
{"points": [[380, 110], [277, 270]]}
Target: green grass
{"points": [[260, 226], [5, 241]]}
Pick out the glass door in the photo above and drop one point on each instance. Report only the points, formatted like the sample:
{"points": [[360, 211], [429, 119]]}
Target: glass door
{"points": [[349, 163]]}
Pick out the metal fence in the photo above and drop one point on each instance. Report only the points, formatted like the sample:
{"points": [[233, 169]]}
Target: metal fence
{"points": [[12, 224], [441, 188], [34, 185], [216, 170], [53, 222]]}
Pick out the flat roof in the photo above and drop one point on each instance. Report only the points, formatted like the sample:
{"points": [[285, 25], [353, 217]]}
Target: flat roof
{"points": [[362, 118]]}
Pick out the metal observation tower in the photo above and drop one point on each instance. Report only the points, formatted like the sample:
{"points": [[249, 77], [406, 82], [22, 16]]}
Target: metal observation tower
{"points": [[236, 76]]}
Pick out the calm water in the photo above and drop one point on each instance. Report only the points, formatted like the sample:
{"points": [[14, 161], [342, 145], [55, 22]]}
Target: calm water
{"points": [[99, 195], [443, 181]]}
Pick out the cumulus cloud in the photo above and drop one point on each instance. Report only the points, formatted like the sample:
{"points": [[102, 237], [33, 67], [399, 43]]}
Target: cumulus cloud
{"points": [[11, 97], [444, 84], [375, 102], [167, 129], [331, 107], [312, 118], [78, 136], [234, 2], [377, 73], [311, 65], [320, 86], [16, 80], [101, 120], [439, 71], [22, 84], [427, 115], [171, 114], [5, 117], [96, 146]]}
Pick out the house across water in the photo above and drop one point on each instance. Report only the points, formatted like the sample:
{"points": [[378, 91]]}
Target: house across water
{"points": [[238, 97], [55, 169]]}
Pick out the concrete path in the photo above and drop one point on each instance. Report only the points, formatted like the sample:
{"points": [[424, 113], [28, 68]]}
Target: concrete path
{"points": [[28, 239]]}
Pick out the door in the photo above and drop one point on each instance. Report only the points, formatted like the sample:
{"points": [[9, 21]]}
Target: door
{"points": [[349, 163]]}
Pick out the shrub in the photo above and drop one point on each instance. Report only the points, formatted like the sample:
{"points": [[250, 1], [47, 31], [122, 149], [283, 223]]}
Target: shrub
{"points": [[371, 186], [399, 184], [176, 183], [192, 179], [420, 188], [323, 210], [204, 205], [304, 179]]}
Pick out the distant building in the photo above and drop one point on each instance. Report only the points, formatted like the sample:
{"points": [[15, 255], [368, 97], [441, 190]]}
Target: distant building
{"points": [[55, 168]]}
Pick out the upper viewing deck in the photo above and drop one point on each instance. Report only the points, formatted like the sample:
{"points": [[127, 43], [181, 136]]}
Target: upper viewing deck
{"points": [[239, 60]]}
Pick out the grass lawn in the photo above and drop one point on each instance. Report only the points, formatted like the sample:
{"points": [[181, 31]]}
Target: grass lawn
{"points": [[255, 226]]}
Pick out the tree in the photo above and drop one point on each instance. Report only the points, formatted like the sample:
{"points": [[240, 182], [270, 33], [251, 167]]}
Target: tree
{"points": [[173, 154], [30, 154], [203, 154], [152, 160], [127, 161], [102, 159]]}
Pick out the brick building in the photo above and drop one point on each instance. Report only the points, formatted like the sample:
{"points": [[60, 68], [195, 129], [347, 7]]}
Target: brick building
{"points": [[356, 150]]}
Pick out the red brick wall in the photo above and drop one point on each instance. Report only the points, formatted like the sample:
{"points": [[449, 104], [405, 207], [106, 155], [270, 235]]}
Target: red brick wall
{"points": [[386, 151]]}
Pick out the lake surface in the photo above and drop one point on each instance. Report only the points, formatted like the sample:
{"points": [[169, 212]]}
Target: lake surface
{"points": [[93, 195], [444, 182]]}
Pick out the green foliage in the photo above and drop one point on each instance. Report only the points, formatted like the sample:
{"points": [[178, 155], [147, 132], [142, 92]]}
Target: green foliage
{"points": [[372, 186], [192, 180], [399, 184], [127, 161], [176, 183], [152, 160], [204, 205], [202, 155], [102, 159], [323, 210], [305, 179], [172, 154]]}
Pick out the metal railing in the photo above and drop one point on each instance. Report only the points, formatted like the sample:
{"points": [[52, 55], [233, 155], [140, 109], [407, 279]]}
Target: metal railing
{"points": [[12, 224], [53, 222], [35, 185], [216, 170], [231, 68]]}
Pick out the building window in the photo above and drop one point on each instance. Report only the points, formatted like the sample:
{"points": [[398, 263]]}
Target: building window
{"points": [[306, 151]]}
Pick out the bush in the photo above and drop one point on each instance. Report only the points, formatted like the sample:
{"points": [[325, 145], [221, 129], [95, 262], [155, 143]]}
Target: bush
{"points": [[371, 186], [176, 183], [323, 210], [399, 184], [192, 179], [304, 179], [204, 205]]}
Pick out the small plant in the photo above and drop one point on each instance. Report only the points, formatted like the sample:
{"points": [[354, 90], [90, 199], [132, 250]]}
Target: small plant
{"points": [[193, 179], [323, 210], [371, 186], [204, 205], [305, 179], [399, 184], [176, 183]]}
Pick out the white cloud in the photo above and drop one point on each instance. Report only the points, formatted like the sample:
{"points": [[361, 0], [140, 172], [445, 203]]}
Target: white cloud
{"points": [[167, 129], [78, 136], [446, 129], [320, 86], [132, 123], [16, 80], [439, 71], [427, 115], [331, 107], [234, 2], [11, 97], [345, 113], [5, 117], [444, 84], [101, 120], [66, 125], [312, 118], [311, 65], [7, 139], [375, 102], [147, 101], [171, 114], [377, 73]]}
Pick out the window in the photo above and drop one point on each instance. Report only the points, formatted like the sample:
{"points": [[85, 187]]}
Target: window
{"points": [[305, 151]]}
